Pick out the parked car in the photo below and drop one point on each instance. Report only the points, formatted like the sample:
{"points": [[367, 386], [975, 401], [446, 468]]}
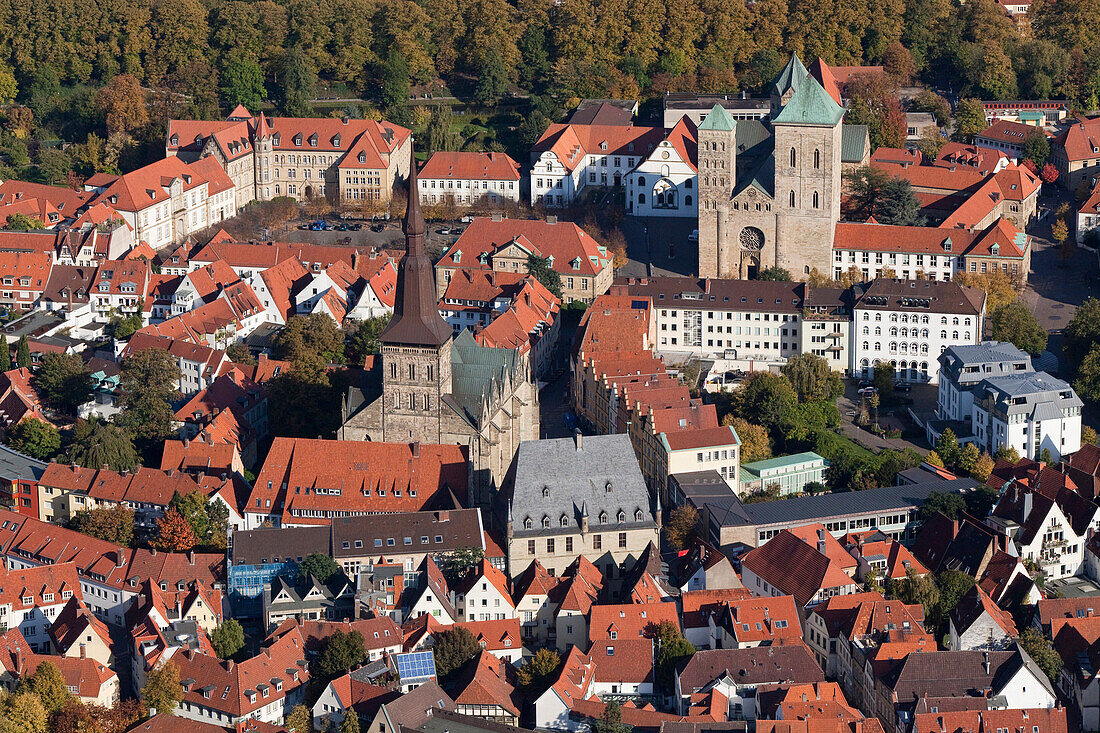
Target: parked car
{"points": [[318, 226], [444, 231], [355, 227], [694, 236], [466, 219], [867, 391]]}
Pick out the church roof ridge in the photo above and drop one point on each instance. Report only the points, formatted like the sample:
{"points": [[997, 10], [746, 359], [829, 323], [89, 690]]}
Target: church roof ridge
{"points": [[791, 77], [810, 105]]}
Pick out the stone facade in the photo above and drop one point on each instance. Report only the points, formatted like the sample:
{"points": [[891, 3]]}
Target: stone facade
{"points": [[777, 206]]}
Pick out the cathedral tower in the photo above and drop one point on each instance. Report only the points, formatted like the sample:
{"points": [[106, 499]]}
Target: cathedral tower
{"points": [[416, 345], [717, 176]]}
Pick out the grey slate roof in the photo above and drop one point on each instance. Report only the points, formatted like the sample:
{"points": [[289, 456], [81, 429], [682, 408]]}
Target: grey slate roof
{"points": [[16, 466], [1036, 394], [990, 358], [262, 546], [558, 477], [456, 528], [805, 509]]}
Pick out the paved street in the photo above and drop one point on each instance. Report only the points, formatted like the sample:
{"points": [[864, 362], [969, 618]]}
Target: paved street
{"points": [[924, 400], [1057, 287], [650, 241]]}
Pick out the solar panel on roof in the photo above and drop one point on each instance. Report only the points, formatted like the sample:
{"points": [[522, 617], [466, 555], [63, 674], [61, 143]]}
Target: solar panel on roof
{"points": [[415, 665]]}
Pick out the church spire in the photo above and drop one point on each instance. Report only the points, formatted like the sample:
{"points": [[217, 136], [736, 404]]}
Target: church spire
{"points": [[416, 320]]}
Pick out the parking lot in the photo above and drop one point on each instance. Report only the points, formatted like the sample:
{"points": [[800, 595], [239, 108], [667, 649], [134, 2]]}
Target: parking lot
{"points": [[380, 234]]}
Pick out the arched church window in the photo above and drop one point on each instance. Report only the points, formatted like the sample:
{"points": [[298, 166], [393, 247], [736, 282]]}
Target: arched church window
{"points": [[792, 199], [816, 200], [817, 159], [794, 158]]}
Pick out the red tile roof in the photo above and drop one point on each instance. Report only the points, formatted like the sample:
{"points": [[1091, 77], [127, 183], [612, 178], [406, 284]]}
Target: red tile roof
{"points": [[796, 568], [684, 137], [304, 475], [1047, 720], [34, 584], [701, 438], [65, 200], [629, 620], [495, 635], [622, 660], [571, 143], [564, 241], [470, 166], [1006, 131], [1080, 140]]}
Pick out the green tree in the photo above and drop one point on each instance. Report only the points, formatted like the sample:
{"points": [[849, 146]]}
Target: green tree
{"points": [[682, 526], [453, 648], [97, 443], [8, 86], [812, 378], [933, 459], [124, 328], [671, 648], [24, 223], [755, 443], [394, 89], [953, 585], [1082, 332], [1088, 435], [1039, 648], [981, 500], [538, 671], [611, 721], [1036, 148], [928, 101], [148, 383], [541, 268], [342, 653], [884, 380], [35, 438], [492, 79], [64, 381], [23, 713], [311, 341], [774, 273], [1007, 453], [242, 82], [1087, 383], [968, 458], [53, 164], [228, 638], [321, 567], [874, 192], [113, 524], [455, 564], [1015, 323], [942, 502], [948, 448], [768, 399], [439, 134], [23, 353], [5, 354], [299, 84], [916, 589], [363, 339], [969, 120], [162, 689]]}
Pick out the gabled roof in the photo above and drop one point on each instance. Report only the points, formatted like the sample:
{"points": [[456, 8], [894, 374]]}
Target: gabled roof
{"points": [[810, 105], [718, 119], [629, 620], [486, 680], [790, 77], [975, 604], [752, 666]]}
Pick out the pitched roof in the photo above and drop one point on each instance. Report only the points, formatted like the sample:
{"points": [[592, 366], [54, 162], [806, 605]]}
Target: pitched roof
{"points": [[752, 666], [810, 105], [564, 242], [975, 604], [795, 567], [571, 143], [622, 660], [629, 620], [1047, 720], [36, 583], [470, 166], [485, 680]]}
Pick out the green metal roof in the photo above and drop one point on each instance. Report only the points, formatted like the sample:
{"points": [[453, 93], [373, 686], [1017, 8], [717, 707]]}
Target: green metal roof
{"points": [[474, 369], [718, 119], [1031, 114], [810, 105], [791, 77], [781, 462], [853, 143]]}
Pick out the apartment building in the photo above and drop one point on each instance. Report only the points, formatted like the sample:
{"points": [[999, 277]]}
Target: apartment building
{"points": [[964, 368], [910, 323], [1031, 412]]}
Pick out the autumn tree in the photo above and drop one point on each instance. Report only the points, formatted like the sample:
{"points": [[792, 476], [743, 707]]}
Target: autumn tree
{"points": [[755, 442], [454, 647], [300, 719], [23, 712], [538, 671], [49, 685], [812, 378], [123, 104], [682, 526], [113, 524], [174, 534], [162, 690], [969, 120], [35, 438]]}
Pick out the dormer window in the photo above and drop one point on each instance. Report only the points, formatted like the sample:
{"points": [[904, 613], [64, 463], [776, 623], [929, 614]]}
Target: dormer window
{"points": [[298, 140], [637, 515], [545, 492], [564, 521], [527, 523], [603, 517], [995, 248], [546, 522], [336, 140], [947, 245], [607, 487], [275, 142], [622, 516], [27, 600], [313, 140], [175, 140]]}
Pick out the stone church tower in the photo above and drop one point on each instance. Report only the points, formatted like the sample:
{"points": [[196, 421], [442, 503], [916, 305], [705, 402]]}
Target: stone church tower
{"points": [[416, 345], [779, 205], [434, 386]]}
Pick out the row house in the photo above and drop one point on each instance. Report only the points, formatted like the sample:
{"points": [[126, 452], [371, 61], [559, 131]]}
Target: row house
{"points": [[827, 568], [264, 687], [121, 288], [505, 309], [228, 142], [245, 401], [109, 575], [977, 622], [926, 253], [467, 178], [88, 681], [19, 476], [377, 298], [168, 200], [23, 279], [32, 599], [499, 637], [586, 267], [51, 204], [734, 619], [568, 158], [1075, 640], [308, 600]]}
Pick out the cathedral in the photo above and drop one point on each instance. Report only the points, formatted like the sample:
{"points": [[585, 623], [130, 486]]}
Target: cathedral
{"points": [[769, 190], [438, 387]]}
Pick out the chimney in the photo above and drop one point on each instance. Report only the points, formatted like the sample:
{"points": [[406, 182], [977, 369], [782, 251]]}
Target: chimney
{"points": [[706, 285], [552, 219], [1027, 504], [985, 663], [496, 216], [578, 438], [120, 558], [191, 557], [83, 650], [416, 448]]}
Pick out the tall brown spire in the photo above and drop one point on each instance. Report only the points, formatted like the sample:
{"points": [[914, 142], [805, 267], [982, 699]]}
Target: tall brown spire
{"points": [[416, 320]]}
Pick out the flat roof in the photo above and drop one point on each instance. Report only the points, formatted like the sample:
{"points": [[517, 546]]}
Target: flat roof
{"points": [[783, 461], [807, 509]]}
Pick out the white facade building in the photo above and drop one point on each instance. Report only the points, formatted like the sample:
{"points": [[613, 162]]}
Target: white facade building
{"points": [[666, 182], [467, 178], [910, 323], [1030, 412], [568, 158]]}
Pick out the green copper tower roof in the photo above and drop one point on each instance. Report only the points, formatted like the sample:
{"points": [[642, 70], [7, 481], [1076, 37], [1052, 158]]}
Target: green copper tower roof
{"points": [[718, 119], [791, 77], [810, 105]]}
